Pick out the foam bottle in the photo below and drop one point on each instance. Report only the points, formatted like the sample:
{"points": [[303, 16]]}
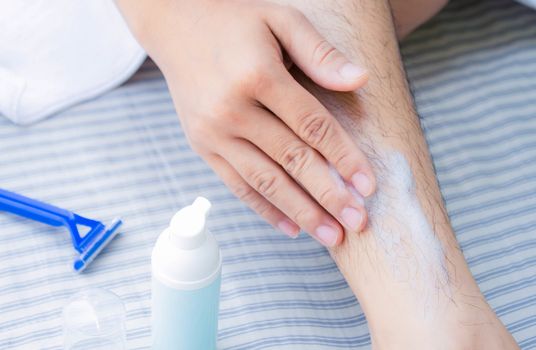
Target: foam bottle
{"points": [[186, 278]]}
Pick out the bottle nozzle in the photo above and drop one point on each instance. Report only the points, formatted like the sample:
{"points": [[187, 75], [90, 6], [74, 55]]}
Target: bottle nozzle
{"points": [[202, 205], [187, 228]]}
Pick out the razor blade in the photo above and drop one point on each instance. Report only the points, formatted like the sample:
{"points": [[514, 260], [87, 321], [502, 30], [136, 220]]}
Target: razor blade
{"points": [[88, 246]]}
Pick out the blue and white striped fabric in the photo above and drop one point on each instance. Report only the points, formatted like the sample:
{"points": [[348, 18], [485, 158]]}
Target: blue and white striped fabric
{"points": [[472, 71]]}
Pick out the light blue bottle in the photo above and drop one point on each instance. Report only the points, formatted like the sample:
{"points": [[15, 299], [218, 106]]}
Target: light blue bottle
{"points": [[186, 277]]}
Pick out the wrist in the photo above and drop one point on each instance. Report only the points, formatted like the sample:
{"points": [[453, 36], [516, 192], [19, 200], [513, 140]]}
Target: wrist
{"points": [[135, 14], [144, 17]]}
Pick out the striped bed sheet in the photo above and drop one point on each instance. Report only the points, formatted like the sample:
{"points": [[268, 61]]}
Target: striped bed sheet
{"points": [[124, 154]]}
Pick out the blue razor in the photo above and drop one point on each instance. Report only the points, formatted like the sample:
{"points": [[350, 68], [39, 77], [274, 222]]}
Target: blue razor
{"points": [[88, 246]]}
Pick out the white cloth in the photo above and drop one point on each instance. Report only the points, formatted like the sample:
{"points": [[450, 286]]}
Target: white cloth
{"points": [[54, 53]]}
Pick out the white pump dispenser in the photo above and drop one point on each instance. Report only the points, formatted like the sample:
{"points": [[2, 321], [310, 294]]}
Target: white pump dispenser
{"points": [[186, 268], [186, 255], [188, 226]]}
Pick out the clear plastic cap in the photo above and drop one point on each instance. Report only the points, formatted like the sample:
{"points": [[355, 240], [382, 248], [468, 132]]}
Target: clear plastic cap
{"points": [[94, 319]]}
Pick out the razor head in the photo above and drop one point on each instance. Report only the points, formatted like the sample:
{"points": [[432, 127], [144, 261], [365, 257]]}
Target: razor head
{"points": [[99, 241]]}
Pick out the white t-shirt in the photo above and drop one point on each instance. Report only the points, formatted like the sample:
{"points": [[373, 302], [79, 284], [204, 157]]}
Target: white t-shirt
{"points": [[54, 53]]}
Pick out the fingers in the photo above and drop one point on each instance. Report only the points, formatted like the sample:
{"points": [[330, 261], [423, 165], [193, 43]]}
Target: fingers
{"points": [[268, 179], [315, 126], [307, 167], [251, 197], [318, 59]]}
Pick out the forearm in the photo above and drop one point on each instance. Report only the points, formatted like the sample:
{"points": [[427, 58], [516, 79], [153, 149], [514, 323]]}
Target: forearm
{"points": [[406, 264]]}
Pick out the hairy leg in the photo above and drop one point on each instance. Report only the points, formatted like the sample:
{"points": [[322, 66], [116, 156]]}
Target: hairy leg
{"points": [[406, 268]]}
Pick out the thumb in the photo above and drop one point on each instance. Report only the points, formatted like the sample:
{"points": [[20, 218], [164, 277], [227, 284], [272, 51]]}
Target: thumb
{"points": [[312, 53]]}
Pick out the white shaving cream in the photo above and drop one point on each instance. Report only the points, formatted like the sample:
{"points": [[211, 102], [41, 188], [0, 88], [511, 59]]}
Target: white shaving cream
{"points": [[397, 221], [413, 253]]}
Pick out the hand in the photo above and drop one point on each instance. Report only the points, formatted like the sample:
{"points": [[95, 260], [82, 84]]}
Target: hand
{"points": [[266, 136]]}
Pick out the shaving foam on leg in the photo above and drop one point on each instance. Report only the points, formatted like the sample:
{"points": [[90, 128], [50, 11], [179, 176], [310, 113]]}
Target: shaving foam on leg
{"points": [[401, 229], [402, 233]]}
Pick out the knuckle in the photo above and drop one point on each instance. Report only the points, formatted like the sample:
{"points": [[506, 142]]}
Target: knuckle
{"points": [[295, 14], [219, 111], [257, 79], [314, 128], [262, 207], [344, 161], [230, 121], [262, 85], [220, 116], [265, 182], [297, 158], [244, 192], [322, 52], [327, 196], [248, 195], [306, 216], [252, 74]]}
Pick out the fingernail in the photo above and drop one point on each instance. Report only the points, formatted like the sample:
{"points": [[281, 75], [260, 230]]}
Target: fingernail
{"points": [[288, 228], [326, 235], [352, 218], [350, 71], [362, 184]]}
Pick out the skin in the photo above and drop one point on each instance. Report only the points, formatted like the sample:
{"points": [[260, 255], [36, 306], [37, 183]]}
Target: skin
{"points": [[265, 135], [226, 68]]}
